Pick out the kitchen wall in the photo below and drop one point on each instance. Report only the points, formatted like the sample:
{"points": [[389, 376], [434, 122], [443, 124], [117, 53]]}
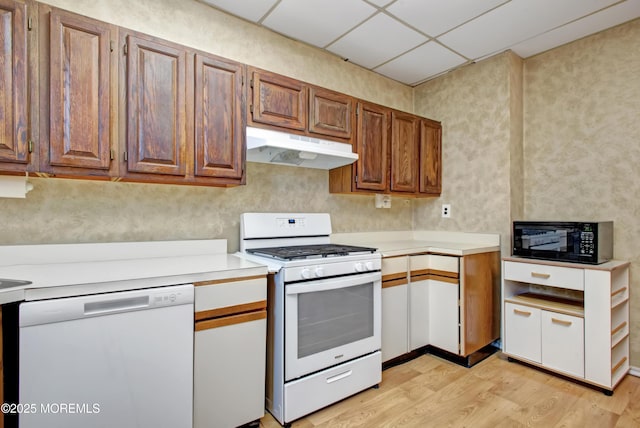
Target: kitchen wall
{"points": [[84, 211], [474, 104], [582, 141]]}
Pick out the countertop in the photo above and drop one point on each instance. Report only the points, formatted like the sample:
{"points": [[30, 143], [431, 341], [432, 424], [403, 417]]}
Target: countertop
{"points": [[74, 278], [400, 243]]}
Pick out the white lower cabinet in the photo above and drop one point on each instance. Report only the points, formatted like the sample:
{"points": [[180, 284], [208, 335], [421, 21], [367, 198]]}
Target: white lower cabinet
{"points": [[522, 335], [569, 318], [394, 321], [420, 312], [230, 342], [444, 318], [229, 368], [563, 343]]}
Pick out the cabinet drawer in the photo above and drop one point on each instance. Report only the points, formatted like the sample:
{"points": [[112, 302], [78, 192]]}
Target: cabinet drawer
{"points": [[394, 269], [434, 264], [522, 332], [563, 343], [224, 297], [553, 276]]}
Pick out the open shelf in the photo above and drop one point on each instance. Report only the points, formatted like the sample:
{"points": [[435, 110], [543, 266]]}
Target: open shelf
{"points": [[549, 303]]}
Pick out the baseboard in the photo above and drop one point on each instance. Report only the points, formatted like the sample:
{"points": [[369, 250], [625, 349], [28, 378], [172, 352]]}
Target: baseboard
{"points": [[634, 371]]}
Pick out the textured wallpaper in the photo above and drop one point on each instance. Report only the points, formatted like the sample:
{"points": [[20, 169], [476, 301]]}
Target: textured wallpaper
{"points": [[582, 141], [473, 104]]}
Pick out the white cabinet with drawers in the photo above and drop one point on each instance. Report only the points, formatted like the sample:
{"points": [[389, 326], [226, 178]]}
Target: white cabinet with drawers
{"points": [[229, 351], [447, 302], [569, 318]]}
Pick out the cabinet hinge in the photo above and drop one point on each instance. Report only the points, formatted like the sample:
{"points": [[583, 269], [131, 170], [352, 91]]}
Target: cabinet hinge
{"points": [[356, 179], [242, 80], [251, 108], [30, 24], [358, 110], [30, 146], [126, 49], [126, 157], [112, 154], [251, 82], [111, 46]]}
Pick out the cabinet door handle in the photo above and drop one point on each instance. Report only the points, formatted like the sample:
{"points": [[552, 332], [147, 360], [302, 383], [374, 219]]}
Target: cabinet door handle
{"points": [[561, 322], [519, 312], [540, 275]]}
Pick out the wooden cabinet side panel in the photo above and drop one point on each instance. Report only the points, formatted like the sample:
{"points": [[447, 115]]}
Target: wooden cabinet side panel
{"points": [[430, 157], [219, 128], [279, 101], [156, 106], [481, 301], [330, 113], [13, 83], [372, 146], [1, 371], [80, 102], [404, 152]]}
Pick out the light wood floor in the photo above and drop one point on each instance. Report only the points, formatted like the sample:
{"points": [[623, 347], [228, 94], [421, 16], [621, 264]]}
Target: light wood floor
{"points": [[431, 392]]}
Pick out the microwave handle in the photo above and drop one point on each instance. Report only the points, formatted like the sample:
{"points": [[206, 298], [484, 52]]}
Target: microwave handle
{"points": [[332, 283]]}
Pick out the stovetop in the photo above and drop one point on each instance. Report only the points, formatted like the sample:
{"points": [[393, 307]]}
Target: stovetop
{"points": [[297, 252]]}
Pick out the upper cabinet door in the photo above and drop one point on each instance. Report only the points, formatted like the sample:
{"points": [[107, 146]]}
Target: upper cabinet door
{"points": [[80, 88], [13, 84], [405, 132], [371, 146], [219, 128], [156, 106], [330, 113], [430, 157], [278, 101]]}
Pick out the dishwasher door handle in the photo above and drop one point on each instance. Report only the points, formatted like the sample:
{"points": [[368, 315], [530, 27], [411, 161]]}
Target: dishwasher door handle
{"points": [[105, 307]]}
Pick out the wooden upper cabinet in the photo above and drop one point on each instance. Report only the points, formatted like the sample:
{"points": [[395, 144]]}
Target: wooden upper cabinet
{"points": [[219, 128], [372, 146], [80, 93], [14, 120], [278, 100], [156, 120], [430, 157], [405, 133], [330, 113]]}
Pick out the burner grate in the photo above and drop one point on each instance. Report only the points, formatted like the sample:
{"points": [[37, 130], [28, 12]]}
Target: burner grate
{"points": [[310, 251]]}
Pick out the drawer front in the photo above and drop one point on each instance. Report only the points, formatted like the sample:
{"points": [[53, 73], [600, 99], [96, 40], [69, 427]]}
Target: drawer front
{"points": [[394, 265], [522, 332], [214, 295], [563, 343], [311, 393], [553, 276]]}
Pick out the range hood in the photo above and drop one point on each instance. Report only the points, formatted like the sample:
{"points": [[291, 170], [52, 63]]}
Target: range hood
{"points": [[281, 148]]}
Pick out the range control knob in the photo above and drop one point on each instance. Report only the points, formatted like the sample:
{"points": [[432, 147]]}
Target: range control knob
{"points": [[360, 267], [319, 271], [369, 265], [306, 273]]}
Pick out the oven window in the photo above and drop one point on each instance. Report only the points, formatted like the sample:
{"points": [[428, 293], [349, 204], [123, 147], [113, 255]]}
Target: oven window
{"points": [[328, 319]]}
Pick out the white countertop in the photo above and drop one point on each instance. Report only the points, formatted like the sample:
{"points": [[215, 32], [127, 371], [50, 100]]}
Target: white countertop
{"points": [[399, 243], [73, 278]]}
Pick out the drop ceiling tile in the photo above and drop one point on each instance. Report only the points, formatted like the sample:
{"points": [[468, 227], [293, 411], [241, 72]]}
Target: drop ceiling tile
{"points": [[421, 63], [251, 10], [514, 22], [317, 22], [376, 41], [591, 24], [434, 17]]}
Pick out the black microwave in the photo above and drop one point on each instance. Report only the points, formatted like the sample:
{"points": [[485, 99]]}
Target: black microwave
{"points": [[579, 242]]}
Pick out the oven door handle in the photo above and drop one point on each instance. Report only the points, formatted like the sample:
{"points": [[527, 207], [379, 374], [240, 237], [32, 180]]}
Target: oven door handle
{"points": [[332, 283]]}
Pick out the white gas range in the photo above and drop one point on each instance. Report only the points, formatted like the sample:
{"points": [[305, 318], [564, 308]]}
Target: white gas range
{"points": [[324, 309]]}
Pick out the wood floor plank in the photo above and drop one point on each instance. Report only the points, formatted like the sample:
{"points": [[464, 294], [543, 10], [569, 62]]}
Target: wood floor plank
{"points": [[431, 392]]}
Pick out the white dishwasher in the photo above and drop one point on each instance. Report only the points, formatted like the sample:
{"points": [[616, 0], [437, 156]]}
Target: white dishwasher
{"points": [[122, 359]]}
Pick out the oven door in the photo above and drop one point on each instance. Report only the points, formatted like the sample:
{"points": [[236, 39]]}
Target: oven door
{"points": [[330, 321]]}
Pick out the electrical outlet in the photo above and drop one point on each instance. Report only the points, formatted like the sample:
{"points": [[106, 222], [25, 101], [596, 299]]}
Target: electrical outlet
{"points": [[446, 210]]}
